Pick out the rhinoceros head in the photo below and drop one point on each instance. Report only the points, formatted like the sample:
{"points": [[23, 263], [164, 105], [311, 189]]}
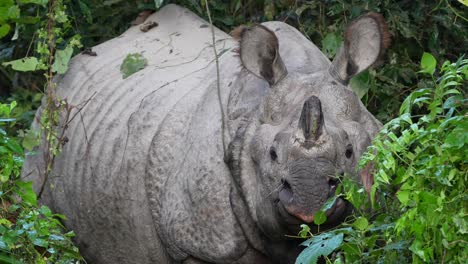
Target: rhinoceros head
{"points": [[312, 128]]}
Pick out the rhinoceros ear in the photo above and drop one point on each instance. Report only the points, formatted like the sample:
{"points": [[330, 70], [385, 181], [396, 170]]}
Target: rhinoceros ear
{"points": [[366, 40], [259, 52]]}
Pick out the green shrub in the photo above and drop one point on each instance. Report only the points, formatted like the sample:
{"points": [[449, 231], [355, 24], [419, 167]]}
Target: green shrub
{"points": [[29, 233], [419, 211]]}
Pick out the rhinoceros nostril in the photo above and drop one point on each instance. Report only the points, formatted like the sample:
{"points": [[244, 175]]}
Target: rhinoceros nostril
{"points": [[333, 182], [286, 184], [285, 194]]}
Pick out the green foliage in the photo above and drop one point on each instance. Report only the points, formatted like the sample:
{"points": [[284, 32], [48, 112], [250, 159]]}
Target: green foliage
{"points": [[132, 63], [418, 208], [320, 245], [28, 233]]}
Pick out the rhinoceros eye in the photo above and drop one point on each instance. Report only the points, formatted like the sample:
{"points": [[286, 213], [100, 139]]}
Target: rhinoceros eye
{"points": [[273, 154], [349, 151]]}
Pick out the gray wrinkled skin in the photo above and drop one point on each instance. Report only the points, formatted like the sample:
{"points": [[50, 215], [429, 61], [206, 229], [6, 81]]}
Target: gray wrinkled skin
{"points": [[143, 178]]}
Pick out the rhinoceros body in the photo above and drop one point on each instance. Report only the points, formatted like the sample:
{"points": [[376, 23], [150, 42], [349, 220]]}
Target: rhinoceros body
{"points": [[145, 177]]}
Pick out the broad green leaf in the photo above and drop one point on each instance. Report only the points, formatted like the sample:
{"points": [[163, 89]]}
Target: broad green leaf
{"points": [[304, 231], [320, 217], [132, 63], [41, 242], [5, 222], [56, 237], [4, 29], [417, 248], [458, 137], [158, 3], [13, 146], [330, 202], [361, 223], [62, 59], [428, 63], [360, 84], [331, 43], [321, 245], [465, 2], [31, 139], [403, 196], [24, 64], [27, 193], [9, 12]]}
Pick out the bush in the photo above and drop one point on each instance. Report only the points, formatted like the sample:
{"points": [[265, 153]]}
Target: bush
{"points": [[28, 233], [418, 208]]}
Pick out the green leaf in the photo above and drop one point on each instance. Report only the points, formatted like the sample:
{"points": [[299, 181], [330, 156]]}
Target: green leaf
{"points": [[360, 84], [13, 146], [4, 29], [5, 222], [330, 202], [9, 12], [361, 223], [40, 242], [465, 2], [304, 231], [331, 43], [403, 196], [27, 193], [62, 58], [134, 62], [320, 217], [428, 63], [158, 3], [31, 139], [24, 64], [321, 245]]}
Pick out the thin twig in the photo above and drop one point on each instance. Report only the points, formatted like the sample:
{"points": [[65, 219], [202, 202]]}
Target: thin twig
{"points": [[217, 78]]}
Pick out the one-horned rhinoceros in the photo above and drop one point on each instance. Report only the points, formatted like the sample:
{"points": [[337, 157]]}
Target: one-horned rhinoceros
{"points": [[155, 172]]}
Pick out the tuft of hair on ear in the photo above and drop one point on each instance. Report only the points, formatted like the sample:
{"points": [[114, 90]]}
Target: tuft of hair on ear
{"points": [[383, 28], [238, 32]]}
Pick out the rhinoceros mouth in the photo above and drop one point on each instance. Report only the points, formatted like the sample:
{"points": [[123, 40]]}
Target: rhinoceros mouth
{"points": [[294, 214]]}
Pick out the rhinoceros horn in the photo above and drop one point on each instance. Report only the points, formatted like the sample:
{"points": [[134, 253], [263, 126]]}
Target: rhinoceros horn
{"points": [[311, 120]]}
